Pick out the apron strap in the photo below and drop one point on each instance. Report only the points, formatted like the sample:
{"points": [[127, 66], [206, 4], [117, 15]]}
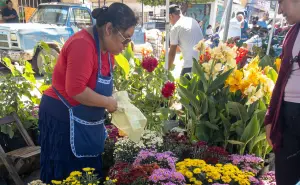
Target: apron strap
{"points": [[61, 98], [96, 37]]}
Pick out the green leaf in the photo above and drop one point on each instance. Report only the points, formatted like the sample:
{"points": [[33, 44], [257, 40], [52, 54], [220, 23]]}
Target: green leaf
{"points": [[197, 69], [123, 63], [128, 53], [266, 61], [202, 132], [238, 110], [226, 124], [43, 87], [219, 81], [212, 110], [28, 68], [252, 108], [190, 109], [237, 127], [251, 130], [257, 139], [184, 81], [272, 74], [190, 96], [204, 105], [210, 125], [262, 105], [234, 142]]}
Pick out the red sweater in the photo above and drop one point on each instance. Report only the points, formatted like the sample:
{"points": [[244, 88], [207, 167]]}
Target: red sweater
{"points": [[272, 116], [77, 67]]}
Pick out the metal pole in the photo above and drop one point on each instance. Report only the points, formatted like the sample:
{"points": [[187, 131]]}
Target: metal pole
{"points": [[99, 3], [227, 21], [273, 27], [167, 35], [142, 13]]}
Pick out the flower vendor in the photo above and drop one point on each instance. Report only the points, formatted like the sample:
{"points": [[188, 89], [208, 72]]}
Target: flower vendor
{"points": [[71, 114], [283, 117]]}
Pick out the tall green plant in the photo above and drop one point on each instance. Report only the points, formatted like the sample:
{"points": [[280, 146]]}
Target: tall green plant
{"points": [[16, 95], [144, 88]]}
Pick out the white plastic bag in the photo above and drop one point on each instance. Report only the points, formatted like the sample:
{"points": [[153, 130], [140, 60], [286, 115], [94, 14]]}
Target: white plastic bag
{"points": [[128, 118]]}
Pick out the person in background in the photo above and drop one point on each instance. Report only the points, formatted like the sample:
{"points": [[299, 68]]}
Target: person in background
{"points": [[185, 33], [235, 28], [244, 26], [209, 31], [263, 22], [282, 121], [201, 24], [72, 110], [9, 14]]}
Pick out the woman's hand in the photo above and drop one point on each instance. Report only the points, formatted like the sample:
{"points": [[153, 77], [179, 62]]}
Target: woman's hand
{"points": [[112, 104], [268, 132]]}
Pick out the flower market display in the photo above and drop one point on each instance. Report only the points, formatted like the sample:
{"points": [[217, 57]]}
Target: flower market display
{"points": [[215, 137]]}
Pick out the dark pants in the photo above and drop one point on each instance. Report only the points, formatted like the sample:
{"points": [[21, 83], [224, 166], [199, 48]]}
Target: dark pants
{"points": [[287, 158], [185, 71]]}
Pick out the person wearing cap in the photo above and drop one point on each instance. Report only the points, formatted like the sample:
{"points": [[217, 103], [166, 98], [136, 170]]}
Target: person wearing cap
{"points": [[185, 33]]}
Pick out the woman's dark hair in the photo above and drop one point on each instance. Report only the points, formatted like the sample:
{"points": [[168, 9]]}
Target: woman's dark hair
{"points": [[209, 26], [119, 14], [8, 1]]}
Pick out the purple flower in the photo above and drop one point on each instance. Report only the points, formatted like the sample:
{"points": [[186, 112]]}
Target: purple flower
{"points": [[164, 160], [164, 175], [247, 162]]}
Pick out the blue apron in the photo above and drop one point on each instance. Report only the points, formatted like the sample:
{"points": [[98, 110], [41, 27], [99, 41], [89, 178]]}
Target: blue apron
{"points": [[87, 129]]}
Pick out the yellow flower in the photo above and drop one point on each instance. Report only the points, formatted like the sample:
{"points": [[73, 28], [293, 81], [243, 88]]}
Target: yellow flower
{"points": [[90, 184], [192, 179], [87, 169], [209, 180], [121, 133], [189, 174], [278, 64], [198, 182], [56, 182], [200, 47], [90, 173], [75, 173], [226, 179], [107, 178], [197, 171]]}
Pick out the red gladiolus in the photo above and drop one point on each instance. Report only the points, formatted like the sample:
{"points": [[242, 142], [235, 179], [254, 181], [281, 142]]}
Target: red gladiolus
{"points": [[241, 53], [205, 57], [149, 63], [168, 89]]}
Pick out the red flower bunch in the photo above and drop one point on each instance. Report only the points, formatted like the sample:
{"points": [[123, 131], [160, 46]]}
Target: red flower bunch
{"points": [[168, 89], [125, 173], [215, 154], [205, 57], [241, 53], [149, 63], [113, 132]]}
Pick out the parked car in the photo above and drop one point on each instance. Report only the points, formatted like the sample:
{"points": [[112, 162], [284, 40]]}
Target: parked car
{"points": [[155, 25], [51, 23], [139, 39]]}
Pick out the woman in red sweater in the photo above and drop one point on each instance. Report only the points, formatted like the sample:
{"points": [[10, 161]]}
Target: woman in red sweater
{"points": [[71, 115]]}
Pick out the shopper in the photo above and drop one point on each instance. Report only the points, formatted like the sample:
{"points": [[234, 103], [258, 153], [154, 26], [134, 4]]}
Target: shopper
{"points": [[185, 33]]}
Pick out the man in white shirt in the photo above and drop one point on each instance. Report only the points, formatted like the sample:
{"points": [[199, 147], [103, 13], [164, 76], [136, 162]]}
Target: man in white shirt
{"points": [[185, 33]]}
